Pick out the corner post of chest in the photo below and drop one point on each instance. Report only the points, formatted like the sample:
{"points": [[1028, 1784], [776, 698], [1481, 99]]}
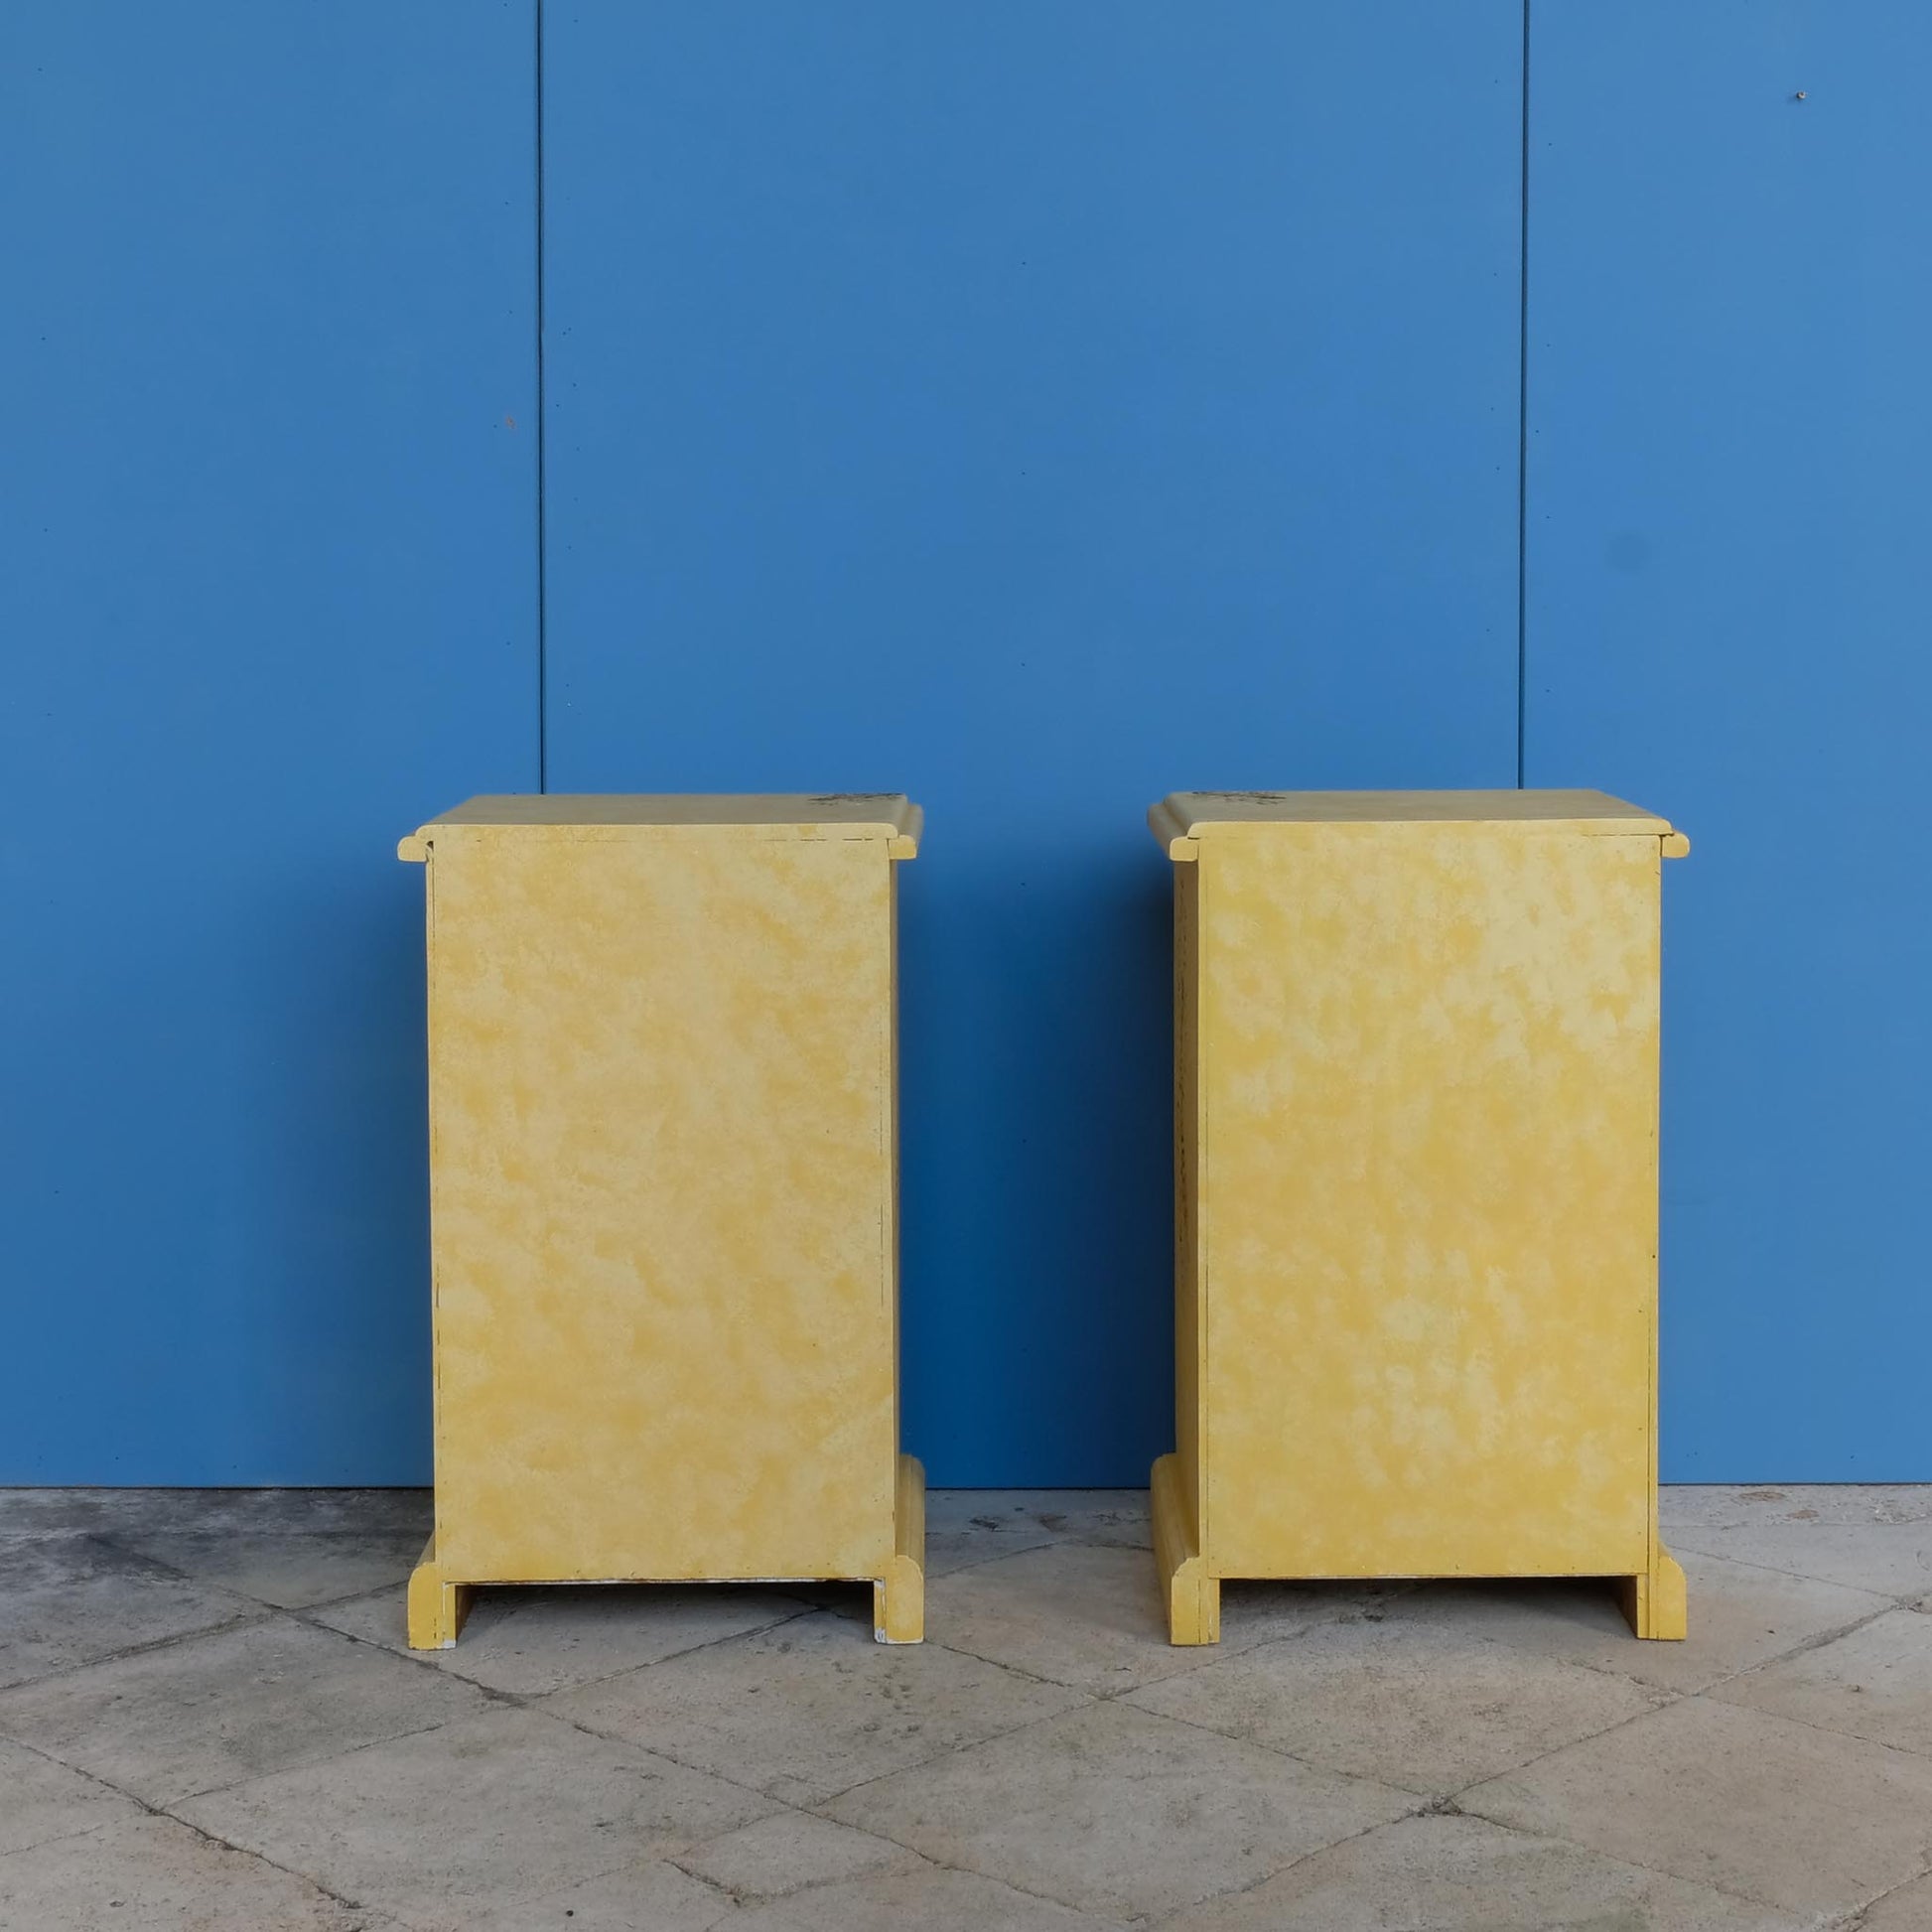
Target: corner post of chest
{"points": [[1193, 1597], [899, 1596], [1656, 1600], [438, 1605]]}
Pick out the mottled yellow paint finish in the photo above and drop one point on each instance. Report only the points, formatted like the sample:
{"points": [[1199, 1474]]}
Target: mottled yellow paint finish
{"points": [[664, 1195], [1417, 1041]]}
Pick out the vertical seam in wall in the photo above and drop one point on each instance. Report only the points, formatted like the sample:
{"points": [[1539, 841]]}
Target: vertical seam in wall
{"points": [[543, 535], [1522, 422]]}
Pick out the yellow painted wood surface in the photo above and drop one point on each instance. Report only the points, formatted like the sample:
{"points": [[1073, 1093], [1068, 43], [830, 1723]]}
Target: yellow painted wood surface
{"points": [[1193, 814], [1415, 1079], [664, 1195]]}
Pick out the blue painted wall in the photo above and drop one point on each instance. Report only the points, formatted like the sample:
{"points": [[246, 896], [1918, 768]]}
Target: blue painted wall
{"points": [[1035, 408], [1730, 569], [269, 598]]}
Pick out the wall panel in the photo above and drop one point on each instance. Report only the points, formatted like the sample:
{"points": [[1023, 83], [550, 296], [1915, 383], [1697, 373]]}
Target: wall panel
{"points": [[1728, 574], [1035, 409], [268, 475]]}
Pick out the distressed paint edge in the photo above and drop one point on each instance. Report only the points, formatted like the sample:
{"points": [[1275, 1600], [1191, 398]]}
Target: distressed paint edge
{"points": [[737, 815], [1591, 813]]}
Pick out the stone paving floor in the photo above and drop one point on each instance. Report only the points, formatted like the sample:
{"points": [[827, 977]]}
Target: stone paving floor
{"points": [[209, 1720]]}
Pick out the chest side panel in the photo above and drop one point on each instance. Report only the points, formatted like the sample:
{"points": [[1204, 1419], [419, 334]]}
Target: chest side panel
{"points": [[661, 1154], [1189, 1173], [1430, 1057]]}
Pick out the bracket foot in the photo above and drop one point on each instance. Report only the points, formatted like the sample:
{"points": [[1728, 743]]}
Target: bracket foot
{"points": [[1193, 1597], [899, 1596], [437, 1606], [1656, 1601]]}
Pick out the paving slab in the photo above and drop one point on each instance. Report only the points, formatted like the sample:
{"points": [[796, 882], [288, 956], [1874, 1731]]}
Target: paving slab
{"points": [[1875, 1682], [1741, 1616], [1908, 1909], [1119, 1812], [533, 1640], [812, 1707], [67, 1600], [1729, 1505], [287, 1568], [1428, 1707], [237, 1511], [152, 1874], [167, 1638], [1465, 1875], [41, 1801], [486, 1811], [965, 1526], [1882, 1544], [1090, 1615], [927, 1900], [654, 1898], [216, 1710], [1082, 1614], [790, 1851], [1739, 1799], [1256, 1610]]}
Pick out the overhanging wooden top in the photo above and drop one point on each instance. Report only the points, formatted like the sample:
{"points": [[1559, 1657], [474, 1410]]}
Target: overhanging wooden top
{"points": [[1181, 819], [589, 815]]}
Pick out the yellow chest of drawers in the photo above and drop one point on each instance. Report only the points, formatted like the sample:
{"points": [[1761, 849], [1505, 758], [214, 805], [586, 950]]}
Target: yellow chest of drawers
{"points": [[1416, 1140], [663, 1155]]}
